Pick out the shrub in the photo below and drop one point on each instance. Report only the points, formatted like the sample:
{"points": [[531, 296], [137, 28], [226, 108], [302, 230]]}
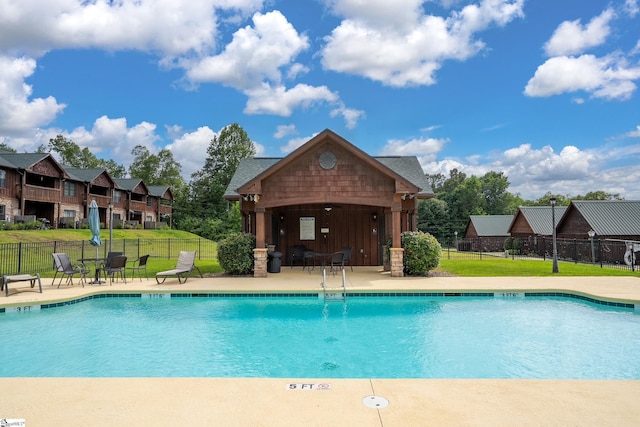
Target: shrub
{"points": [[512, 245], [235, 253], [421, 252]]}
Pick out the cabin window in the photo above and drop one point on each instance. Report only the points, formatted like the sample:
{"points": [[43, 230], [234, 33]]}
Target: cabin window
{"points": [[3, 179], [117, 196], [69, 189], [149, 201], [3, 211], [69, 213]]}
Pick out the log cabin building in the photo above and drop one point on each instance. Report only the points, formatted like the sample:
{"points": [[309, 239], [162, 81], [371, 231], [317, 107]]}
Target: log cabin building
{"points": [[34, 186], [327, 195]]}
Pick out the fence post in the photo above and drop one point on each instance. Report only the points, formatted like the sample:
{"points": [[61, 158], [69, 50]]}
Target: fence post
{"points": [[19, 258], [544, 248], [575, 250], [600, 251], [480, 246]]}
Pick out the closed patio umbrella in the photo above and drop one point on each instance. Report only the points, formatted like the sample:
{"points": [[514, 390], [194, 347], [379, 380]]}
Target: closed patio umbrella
{"points": [[94, 226]]}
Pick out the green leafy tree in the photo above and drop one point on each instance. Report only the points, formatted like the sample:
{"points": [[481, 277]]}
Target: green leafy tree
{"points": [[493, 186], [155, 169], [5, 147], [223, 156], [433, 217], [72, 155], [599, 195]]}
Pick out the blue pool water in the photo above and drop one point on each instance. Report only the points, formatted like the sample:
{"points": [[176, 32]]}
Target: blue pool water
{"points": [[375, 337]]}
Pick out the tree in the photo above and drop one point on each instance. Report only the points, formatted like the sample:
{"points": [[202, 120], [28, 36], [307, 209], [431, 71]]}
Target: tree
{"points": [[5, 147], [433, 217], [223, 156], [72, 155], [599, 195], [494, 190], [155, 169]]}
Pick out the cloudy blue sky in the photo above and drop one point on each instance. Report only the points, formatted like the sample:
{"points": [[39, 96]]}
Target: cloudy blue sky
{"points": [[544, 91]]}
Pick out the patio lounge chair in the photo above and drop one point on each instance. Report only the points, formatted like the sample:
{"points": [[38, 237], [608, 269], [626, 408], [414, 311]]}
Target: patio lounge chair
{"points": [[183, 269]]}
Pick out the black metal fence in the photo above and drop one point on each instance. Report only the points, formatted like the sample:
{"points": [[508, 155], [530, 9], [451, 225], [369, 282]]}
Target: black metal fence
{"points": [[613, 253], [25, 257]]}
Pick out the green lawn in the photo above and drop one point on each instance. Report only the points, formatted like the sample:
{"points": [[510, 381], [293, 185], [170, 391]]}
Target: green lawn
{"points": [[491, 266]]}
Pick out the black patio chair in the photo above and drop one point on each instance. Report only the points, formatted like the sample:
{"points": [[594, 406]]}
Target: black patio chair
{"points": [[139, 265]]}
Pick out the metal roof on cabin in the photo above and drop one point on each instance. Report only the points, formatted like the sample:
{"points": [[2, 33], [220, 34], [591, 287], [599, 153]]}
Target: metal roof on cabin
{"points": [[611, 217], [491, 225], [540, 218], [407, 167]]}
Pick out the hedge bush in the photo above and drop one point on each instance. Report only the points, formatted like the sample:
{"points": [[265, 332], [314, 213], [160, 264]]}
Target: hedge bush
{"points": [[235, 253], [421, 252]]}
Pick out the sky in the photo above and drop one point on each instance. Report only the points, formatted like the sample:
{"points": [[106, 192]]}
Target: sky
{"points": [[544, 91]]}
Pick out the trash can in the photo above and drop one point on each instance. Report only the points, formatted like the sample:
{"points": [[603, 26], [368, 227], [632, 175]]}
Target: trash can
{"points": [[275, 262]]}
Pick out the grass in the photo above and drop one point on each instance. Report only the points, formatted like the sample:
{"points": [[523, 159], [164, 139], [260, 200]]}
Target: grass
{"points": [[494, 266], [12, 236], [68, 235]]}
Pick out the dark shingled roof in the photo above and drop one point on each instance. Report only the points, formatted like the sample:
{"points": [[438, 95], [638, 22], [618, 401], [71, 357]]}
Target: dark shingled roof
{"points": [[84, 175]]}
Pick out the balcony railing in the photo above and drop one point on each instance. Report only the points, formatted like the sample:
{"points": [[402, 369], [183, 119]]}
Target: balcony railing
{"points": [[41, 194]]}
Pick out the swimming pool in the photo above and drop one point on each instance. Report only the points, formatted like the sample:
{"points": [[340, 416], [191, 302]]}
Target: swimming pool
{"points": [[304, 337]]}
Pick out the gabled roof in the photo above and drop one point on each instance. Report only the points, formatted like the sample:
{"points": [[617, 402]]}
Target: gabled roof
{"points": [[246, 171], [86, 175], [610, 217], [161, 191], [491, 225], [540, 218], [25, 161], [130, 184], [403, 168]]}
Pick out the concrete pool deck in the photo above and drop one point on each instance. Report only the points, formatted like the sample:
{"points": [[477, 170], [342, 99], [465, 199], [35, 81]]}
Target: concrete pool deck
{"points": [[271, 402]]}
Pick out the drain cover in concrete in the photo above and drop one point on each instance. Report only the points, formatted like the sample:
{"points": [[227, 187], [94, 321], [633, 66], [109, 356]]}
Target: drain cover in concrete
{"points": [[375, 402]]}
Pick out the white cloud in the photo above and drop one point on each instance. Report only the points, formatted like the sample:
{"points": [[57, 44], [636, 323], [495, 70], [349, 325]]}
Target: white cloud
{"points": [[170, 28], [284, 130], [534, 171], [294, 143], [409, 53], [113, 139], [634, 133], [608, 77], [425, 149], [255, 54], [572, 38], [351, 116], [18, 112], [252, 63], [281, 101], [631, 7], [190, 149]]}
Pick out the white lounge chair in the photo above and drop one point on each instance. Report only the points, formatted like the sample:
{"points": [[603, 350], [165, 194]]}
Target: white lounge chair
{"points": [[183, 269]]}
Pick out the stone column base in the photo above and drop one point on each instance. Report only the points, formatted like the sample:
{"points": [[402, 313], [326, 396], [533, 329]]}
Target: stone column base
{"points": [[260, 262], [397, 265]]}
